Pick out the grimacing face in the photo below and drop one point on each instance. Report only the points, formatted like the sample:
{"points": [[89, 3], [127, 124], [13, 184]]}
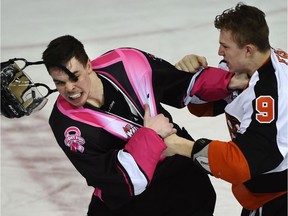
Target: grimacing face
{"points": [[76, 93], [235, 57]]}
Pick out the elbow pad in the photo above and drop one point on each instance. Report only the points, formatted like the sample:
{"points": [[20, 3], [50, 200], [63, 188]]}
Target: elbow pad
{"points": [[199, 154]]}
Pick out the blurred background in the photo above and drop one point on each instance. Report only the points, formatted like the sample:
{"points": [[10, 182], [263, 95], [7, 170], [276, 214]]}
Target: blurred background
{"points": [[36, 177]]}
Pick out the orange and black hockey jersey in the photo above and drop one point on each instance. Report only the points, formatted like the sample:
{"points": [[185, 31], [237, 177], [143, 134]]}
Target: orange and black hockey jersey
{"points": [[255, 160]]}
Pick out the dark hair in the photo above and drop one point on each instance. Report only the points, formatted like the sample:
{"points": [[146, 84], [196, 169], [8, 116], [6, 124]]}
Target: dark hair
{"points": [[60, 50], [247, 25]]}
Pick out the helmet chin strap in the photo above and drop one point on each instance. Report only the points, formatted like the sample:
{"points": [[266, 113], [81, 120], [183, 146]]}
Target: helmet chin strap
{"points": [[71, 75], [27, 63], [49, 90]]}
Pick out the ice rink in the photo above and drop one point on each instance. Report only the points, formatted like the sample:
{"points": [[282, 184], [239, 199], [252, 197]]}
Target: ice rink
{"points": [[36, 177]]}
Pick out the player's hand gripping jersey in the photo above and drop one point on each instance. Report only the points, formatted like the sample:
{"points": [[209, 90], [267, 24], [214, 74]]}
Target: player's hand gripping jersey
{"points": [[110, 148], [255, 160]]}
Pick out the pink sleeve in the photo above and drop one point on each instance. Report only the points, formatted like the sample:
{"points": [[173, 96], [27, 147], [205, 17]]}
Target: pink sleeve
{"points": [[146, 148], [212, 84]]}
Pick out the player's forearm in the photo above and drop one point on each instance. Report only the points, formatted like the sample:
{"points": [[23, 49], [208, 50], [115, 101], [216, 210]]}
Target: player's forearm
{"points": [[238, 81], [178, 145], [197, 151]]}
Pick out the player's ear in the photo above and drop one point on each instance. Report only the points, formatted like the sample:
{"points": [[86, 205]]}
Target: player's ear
{"points": [[250, 49], [89, 66]]}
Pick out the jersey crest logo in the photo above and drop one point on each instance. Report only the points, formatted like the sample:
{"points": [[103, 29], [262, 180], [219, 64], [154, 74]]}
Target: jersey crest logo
{"points": [[233, 125], [73, 139], [282, 56], [129, 130]]}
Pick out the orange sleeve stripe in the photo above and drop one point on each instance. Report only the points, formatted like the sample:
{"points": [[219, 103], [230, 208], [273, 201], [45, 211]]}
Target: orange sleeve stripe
{"points": [[205, 109], [227, 162], [251, 200]]}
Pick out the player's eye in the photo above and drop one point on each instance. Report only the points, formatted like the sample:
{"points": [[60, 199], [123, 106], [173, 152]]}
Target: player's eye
{"points": [[59, 83]]}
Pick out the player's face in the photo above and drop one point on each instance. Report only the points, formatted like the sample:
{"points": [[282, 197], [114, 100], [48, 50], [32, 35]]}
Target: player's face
{"points": [[75, 92], [233, 55]]}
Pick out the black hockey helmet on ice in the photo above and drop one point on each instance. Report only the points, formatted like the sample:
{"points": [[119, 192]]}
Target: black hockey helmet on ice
{"points": [[19, 95]]}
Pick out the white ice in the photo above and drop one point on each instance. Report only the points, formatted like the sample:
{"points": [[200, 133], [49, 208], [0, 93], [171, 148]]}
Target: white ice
{"points": [[36, 177]]}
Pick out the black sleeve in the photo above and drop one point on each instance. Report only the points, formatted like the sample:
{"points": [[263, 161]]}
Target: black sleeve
{"points": [[170, 85]]}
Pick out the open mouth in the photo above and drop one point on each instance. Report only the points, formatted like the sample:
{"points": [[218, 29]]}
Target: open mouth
{"points": [[227, 64], [75, 96]]}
